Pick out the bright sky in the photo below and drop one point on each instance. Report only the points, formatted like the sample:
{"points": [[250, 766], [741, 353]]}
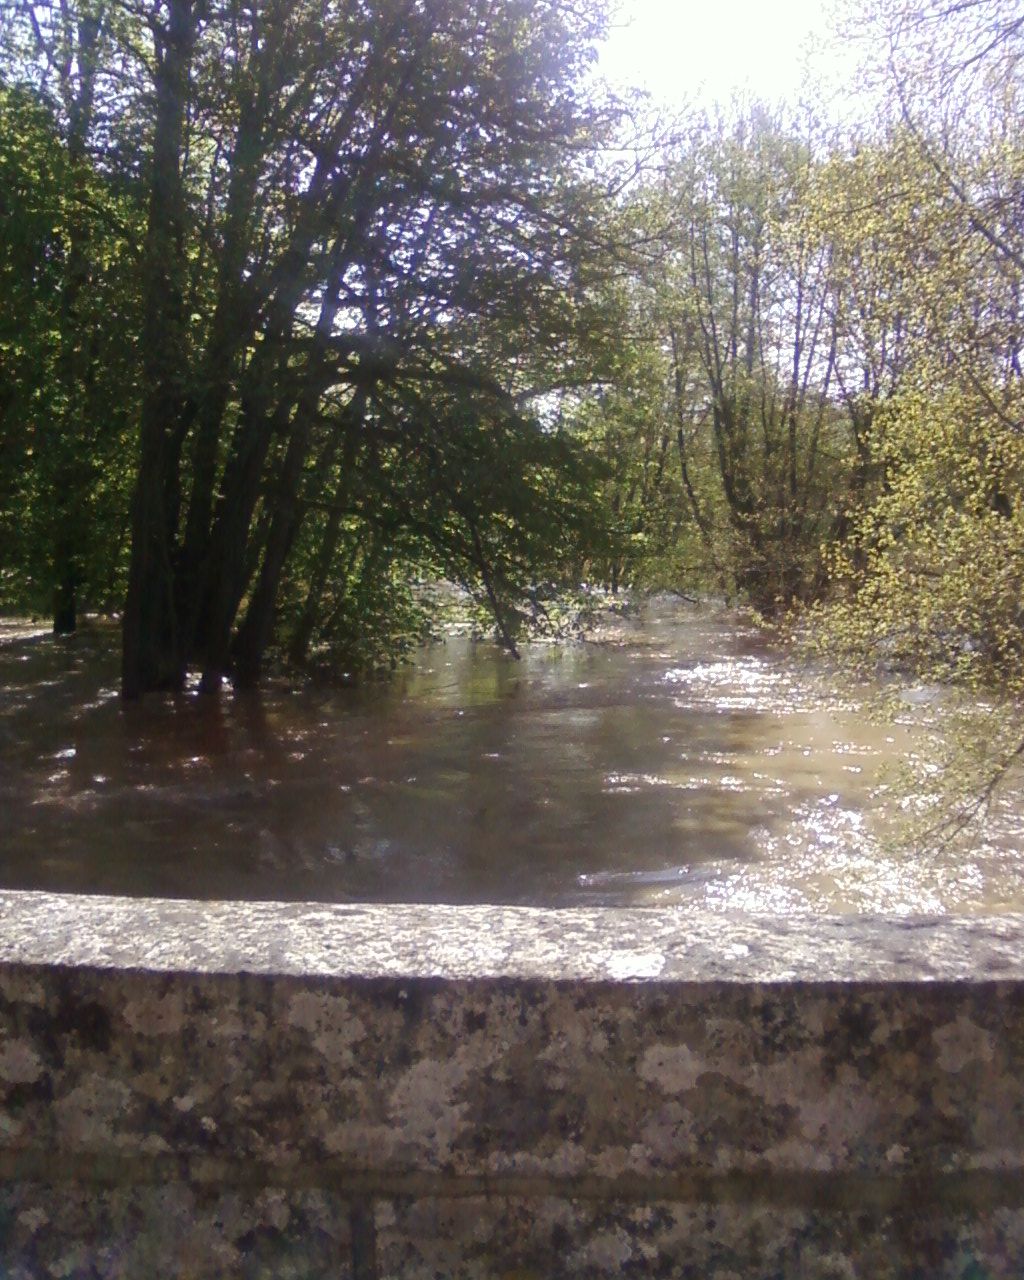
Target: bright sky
{"points": [[706, 51]]}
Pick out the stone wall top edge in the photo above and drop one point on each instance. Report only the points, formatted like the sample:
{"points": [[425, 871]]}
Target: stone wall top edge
{"points": [[466, 942]]}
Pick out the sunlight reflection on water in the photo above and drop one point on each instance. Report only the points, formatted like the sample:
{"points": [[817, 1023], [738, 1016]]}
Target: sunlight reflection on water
{"points": [[674, 760]]}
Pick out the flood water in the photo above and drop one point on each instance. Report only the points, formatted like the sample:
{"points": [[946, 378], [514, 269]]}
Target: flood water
{"points": [[676, 760]]}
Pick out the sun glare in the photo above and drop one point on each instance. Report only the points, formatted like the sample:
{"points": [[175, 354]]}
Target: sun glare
{"points": [[682, 50]]}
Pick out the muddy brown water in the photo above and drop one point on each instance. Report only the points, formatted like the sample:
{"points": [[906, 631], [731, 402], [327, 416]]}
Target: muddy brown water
{"points": [[679, 759]]}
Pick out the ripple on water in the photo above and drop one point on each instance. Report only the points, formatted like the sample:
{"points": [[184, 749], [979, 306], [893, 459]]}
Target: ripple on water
{"points": [[685, 763]]}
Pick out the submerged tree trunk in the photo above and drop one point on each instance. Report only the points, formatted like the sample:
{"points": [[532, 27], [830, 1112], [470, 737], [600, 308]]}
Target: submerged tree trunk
{"points": [[229, 560], [230, 328], [254, 635], [153, 655]]}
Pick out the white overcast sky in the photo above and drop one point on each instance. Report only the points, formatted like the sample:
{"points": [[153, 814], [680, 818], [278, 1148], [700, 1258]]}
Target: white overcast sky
{"points": [[705, 51]]}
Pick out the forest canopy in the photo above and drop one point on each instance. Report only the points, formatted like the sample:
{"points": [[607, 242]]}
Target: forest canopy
{"points": [[281, 308]]}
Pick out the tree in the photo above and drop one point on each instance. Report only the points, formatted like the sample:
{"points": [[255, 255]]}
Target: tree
{"points": [[423, 150], [926, 213], [66, 350], [741, 289], [362, 224]]}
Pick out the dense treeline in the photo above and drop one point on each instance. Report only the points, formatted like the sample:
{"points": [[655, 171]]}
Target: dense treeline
{"points": [[323, 262], [303, 303], [826, 370]]}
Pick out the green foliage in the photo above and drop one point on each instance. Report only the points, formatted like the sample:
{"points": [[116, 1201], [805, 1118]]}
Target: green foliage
{"points": [[31, 185], [374, 622], [272, 260], [930, 576], [66, 367], [928, 582], [488, 500], [729, 453], [342, 295], [933, 578]]}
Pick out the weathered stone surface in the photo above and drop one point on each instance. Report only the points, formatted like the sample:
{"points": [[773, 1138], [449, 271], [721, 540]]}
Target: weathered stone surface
{"points": [[619, 945], [501, 1076], [485, 1093], [548, 1239], [170, 1232]]}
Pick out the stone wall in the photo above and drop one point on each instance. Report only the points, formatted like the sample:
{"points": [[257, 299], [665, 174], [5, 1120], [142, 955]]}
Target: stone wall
{"points": [[263, 1090]]}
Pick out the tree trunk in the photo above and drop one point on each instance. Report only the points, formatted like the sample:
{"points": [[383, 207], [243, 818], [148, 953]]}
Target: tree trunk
{"points": [[67, 480], [153, 656], [65, 608], [298, 648], [229, 558], [255, 632], [230, 330]]}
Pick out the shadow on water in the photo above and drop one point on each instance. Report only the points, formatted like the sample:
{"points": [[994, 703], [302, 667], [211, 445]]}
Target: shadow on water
{"points": [[677, 760]]}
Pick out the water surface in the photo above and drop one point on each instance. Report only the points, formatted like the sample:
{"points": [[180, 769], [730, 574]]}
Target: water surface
{"points": [[677, 760]]}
